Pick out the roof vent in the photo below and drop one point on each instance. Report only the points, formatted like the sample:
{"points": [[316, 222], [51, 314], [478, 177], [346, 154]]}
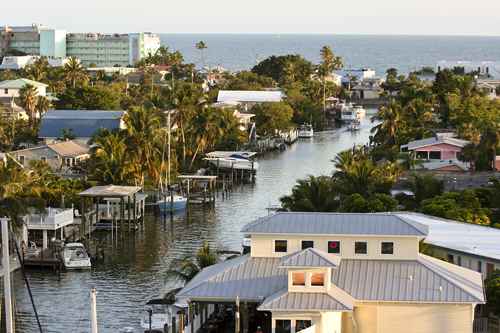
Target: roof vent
{"points": [[440, 288]]}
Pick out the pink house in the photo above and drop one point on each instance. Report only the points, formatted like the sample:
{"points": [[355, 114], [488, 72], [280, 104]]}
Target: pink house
{"points": [[440, 151]]}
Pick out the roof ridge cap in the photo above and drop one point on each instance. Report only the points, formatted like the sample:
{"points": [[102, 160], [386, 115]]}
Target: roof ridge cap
{"points": [[423, 263]]}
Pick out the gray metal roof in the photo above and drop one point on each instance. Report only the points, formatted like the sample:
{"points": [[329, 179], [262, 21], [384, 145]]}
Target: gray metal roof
{"points": [[336, 224], [72, 148], [309, 257], [249, 278], [295, 301], [109, 191], [84, 123], [19, 83], [424, 280]]}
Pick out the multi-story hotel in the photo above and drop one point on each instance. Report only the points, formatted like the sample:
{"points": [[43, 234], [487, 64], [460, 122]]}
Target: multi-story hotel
{"points": [[104, 50]]}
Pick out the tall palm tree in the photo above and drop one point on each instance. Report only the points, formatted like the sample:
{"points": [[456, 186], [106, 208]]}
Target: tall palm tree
{"points": [[230, 124], [42, 105], [311, 195], [200, 46], [75, 71], [184, 101], [469, 153], [326, 54], [66, 135], [392, 118], [145, 138], [176, 59], [205, 129], [184, 269], [425, 187], [29, 99]]}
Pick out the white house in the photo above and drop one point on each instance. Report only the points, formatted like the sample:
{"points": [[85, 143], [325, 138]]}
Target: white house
{"points": [[341, 272], [10, 88], [249, 96], [368, 87], [486, 69]]}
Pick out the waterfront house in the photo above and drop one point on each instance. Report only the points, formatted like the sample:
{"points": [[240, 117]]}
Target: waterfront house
{"points": [[441, 151], [341, 272], [368, 87], [51, 219], [10, 88], [484, 69], [60, 156], [84, 123]]}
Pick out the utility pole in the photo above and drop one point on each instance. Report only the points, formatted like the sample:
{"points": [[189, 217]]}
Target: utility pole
{"points": [[349, 84], [6, 275]]}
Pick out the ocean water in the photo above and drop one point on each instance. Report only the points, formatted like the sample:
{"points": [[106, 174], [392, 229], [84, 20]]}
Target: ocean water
{"points": [[377, 52]]}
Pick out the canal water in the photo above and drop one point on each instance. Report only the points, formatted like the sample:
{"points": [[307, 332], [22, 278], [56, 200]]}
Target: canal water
{"points": [[134, 268]]}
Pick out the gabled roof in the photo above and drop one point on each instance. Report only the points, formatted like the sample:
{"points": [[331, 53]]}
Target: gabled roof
{"points": [[336, 223], [433, 165], [435, 141], [84, 123], [309, 257], [249, 278], [423, 280], [72, 148], [249, 96], [334, 300], [19, 83]]}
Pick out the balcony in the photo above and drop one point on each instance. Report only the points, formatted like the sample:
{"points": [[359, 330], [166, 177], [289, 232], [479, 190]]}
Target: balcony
{"points": [[53, 219]]}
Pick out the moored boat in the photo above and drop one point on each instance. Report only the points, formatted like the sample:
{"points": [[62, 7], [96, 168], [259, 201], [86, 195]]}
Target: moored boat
{"points": [[164, 203], [235, 154], [237, 164], [74, 256], [360, 110], [161, 314]]}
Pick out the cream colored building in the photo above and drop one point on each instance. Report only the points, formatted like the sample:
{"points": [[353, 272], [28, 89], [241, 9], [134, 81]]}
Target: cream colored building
{"points": [[341, 272]]}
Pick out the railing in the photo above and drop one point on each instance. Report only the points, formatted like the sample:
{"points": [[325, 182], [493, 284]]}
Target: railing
{"points": [[480, 325], [197, 320], [53, 218]]}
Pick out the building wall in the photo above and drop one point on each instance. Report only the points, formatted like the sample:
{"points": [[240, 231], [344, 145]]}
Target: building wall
{"points": [[104, 50], [404, 247], [486, 68], [447, 150], [414, 318], [478, 264], [9, 92], [53, 43], [331, 322], [37, 153]]}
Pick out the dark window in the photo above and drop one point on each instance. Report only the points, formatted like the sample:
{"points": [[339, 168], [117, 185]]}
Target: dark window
{"points": [[283, 326], [360, 248], [6, 91], [280, 246], [387, 248], [434, 155], [439, 68], [451, 258], [459, 261], [333, 247], [487, 69], [479, 69], [479, 266], [307, 244], [422, 154], [302, 325]]}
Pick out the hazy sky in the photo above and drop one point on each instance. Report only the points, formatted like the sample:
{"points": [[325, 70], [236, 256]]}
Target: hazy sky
{"points": [[402, 17]]}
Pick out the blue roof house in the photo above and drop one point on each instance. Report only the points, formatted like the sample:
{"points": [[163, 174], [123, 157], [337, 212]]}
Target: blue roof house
{"points": [[84, 123]]}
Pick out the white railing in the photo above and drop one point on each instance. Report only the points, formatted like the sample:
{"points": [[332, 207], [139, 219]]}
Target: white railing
{"points": [[480, 325], [52, 218], [311, 329], [197, 320]]}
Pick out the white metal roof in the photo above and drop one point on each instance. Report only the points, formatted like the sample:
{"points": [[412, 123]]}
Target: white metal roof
{"points": [[250, 96], [473, 239], [335, 223], [433, 165], [310, 257], [435, 141]]}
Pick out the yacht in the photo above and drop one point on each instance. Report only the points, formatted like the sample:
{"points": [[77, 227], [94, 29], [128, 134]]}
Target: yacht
{"points": [[74, 256], [161, 313], [306, 131]]}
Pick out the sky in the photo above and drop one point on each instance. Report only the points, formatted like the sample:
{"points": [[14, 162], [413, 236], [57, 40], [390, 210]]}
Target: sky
{"points": [[399, 17]]}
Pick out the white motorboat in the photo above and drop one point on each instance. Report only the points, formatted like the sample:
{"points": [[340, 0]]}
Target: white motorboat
{"points": [[306, 131], [359, 110], [161, 313], [348, 115], [237, 164], [164, 203], [235, 154], [353, 127], [74, 256]]}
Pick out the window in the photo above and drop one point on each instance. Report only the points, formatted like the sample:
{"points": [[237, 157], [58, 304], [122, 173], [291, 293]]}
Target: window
{"points": [[435, 155], [459, 260], [6, 91], [21, 159], [302, 325], [422, 154], [317, 279], [451, 258], [43, 158], [387, 248], [334, 247], [360, 248], [283, 326], [479, 266], [307, 244], [298, 279], [280, 245], [487, 70]]}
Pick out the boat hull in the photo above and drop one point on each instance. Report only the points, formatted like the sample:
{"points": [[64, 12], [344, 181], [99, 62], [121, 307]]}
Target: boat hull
{"points": [[235, 164], [180, 202], [74, 256]]}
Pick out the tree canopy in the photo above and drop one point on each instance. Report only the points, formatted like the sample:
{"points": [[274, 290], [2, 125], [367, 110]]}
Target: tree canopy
{"points": [[86, 98]]}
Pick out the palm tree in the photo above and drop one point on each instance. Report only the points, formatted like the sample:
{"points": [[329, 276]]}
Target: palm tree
{"points": [[66, 135], [42, 105], [326, 54], [75, 71], [145, 137], [176, 59], [200, 47], [469, 153], [205, 129], [28, 96], [311, 195], [184, 269], [392, 118], [184, 101], [229, 124], [425, 187], [408, 161]]}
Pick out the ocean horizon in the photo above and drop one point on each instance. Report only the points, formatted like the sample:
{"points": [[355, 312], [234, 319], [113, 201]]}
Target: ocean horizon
{"points": [[237, 52]]}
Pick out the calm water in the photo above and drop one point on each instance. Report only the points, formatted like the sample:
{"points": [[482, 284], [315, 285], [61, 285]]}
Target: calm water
{"points": [[133, 270], [377, 52]]}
